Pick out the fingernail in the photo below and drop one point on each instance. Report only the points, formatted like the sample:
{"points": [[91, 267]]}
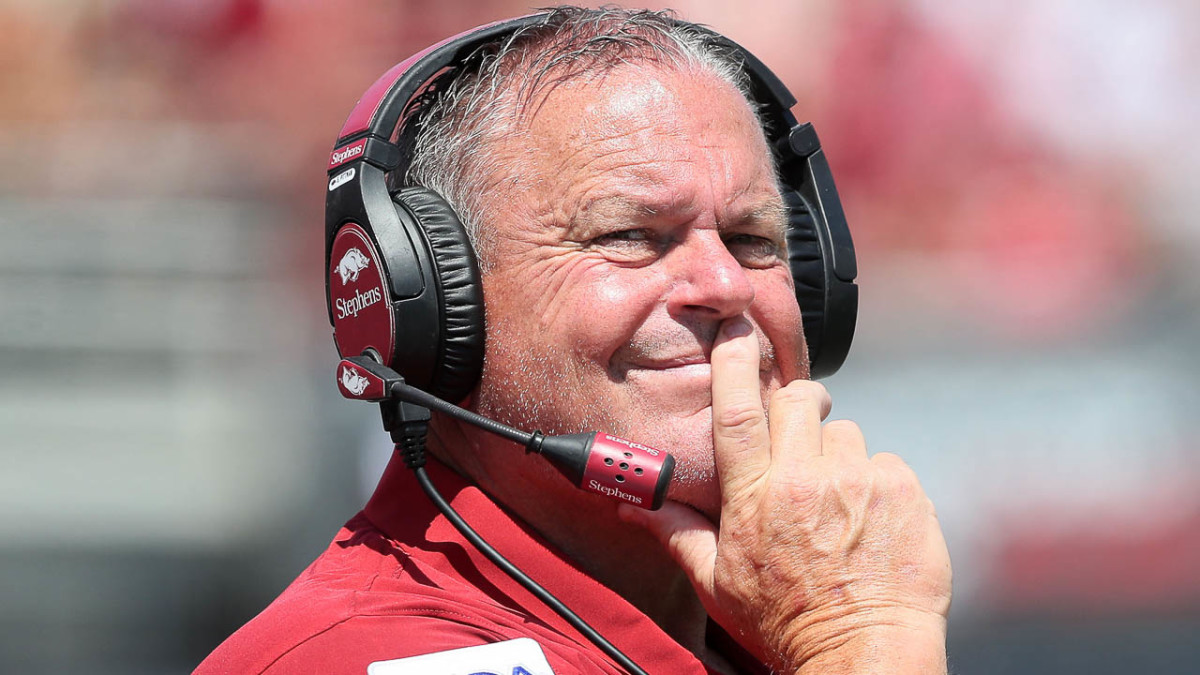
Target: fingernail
{"points": [[736, 328]]}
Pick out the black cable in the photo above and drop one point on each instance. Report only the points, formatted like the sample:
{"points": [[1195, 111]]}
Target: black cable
{"points": [[408, 426], [520, 577], [413, 395]]}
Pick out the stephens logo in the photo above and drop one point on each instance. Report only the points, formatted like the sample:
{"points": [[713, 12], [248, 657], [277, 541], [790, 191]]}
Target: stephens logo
{"points": [[597, 486], [351, 264], [633, 446], [341, 179], [339, 157], [353, 382], [360, 301]]}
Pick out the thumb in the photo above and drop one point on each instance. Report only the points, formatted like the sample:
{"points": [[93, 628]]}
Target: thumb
{"points": [[689, 538]]}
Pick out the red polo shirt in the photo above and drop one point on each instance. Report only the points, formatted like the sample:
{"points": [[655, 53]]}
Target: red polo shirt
{"points": [[400, 581]]}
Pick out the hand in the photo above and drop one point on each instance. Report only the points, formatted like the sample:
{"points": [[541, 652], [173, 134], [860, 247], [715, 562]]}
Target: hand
{"points": [[825, 559]]}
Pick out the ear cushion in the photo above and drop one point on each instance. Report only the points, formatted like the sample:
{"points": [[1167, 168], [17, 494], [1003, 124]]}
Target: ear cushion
{"points": [[460, 293], [808, 265]]}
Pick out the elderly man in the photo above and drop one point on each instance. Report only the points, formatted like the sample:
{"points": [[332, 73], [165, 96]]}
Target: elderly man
{"points": [[629, 224]]}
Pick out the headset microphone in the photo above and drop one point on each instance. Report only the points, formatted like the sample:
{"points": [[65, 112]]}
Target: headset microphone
{"points": [[593, 461]]}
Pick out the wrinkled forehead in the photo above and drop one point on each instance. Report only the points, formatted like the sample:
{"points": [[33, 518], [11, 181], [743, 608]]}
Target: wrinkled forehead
{"points": [[611, 98], [663, 123]]}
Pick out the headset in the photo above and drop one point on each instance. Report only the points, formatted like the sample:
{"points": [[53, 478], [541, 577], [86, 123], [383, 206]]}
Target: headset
{"points": [[405, 299]]}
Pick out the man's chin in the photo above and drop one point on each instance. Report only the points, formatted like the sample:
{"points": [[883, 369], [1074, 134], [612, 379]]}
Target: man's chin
{"points": [[698, 489], [688, 437]]}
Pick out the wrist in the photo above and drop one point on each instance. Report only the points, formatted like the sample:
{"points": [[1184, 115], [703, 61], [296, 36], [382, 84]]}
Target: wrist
{"points": [[913, 644]]}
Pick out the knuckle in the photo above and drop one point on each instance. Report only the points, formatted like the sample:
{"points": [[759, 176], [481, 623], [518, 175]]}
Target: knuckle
{"points": [[844, 437], [890, 461], [900, 475], [800, 391], [739, 415], [853, 483], [811, 388], [843, 428]]}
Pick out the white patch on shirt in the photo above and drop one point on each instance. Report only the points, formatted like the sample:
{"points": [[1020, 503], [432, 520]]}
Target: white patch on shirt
{"points": [[522, 656]]}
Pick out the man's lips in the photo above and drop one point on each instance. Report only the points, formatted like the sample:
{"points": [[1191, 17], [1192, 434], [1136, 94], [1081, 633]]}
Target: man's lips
{"points": [[683, 365], [674, 375], [686, 361]]}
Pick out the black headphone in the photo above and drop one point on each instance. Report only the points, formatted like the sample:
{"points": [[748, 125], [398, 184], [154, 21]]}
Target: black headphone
{"points": [[402, 282]]}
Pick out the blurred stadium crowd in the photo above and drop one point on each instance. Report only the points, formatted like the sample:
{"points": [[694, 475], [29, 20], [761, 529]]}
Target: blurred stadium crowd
{"points": [[1020, 179]]}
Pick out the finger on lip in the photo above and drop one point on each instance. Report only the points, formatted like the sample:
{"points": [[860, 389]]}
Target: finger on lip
{"points": [[736, 327], [738, 343], [740, 437]]}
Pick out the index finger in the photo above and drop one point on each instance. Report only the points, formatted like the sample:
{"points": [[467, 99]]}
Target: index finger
{"points": [[741, 441]]}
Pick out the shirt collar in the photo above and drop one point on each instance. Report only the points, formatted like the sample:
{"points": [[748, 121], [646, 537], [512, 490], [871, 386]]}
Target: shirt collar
{"points": [[402, 511]]}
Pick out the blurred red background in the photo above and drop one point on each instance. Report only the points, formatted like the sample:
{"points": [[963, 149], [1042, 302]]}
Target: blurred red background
{"points": [[1019, 181]]}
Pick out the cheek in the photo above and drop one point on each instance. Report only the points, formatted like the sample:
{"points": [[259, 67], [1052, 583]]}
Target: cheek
{"points": [[776, 312], [576, 307], [603, 311]]}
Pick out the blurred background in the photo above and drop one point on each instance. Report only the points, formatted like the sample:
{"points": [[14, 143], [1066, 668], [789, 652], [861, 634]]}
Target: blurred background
{"points": [[1020, 179]]}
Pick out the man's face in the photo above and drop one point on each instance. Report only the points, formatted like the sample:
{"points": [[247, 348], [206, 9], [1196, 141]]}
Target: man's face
{"points": [[644, 214]]}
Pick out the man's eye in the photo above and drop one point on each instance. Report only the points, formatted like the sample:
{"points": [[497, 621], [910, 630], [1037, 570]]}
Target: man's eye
{"points": [[623, 236], [754, 251], [632, 246]]}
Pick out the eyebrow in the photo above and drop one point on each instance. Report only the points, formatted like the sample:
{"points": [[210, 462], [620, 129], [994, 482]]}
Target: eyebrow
{"points": [[595, 212], [623, 204], [772, 215]]}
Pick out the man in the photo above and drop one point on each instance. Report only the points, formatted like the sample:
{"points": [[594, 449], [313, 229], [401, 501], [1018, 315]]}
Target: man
{"points": [[625, 209]]}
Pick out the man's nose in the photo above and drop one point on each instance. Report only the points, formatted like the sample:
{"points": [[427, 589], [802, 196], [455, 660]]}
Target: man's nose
{"points": [[709, 280]]}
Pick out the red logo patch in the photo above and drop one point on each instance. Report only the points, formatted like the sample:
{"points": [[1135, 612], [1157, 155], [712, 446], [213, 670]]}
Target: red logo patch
{"points": [[342, 155], [362, 315]]}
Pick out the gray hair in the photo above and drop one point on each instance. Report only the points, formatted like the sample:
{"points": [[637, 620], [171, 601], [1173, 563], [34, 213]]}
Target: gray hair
{"points": [[451, 125]]}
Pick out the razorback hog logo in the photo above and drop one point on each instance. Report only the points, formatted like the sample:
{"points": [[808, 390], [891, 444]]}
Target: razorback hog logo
{"points": [[353, 382], [351, 264]]}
